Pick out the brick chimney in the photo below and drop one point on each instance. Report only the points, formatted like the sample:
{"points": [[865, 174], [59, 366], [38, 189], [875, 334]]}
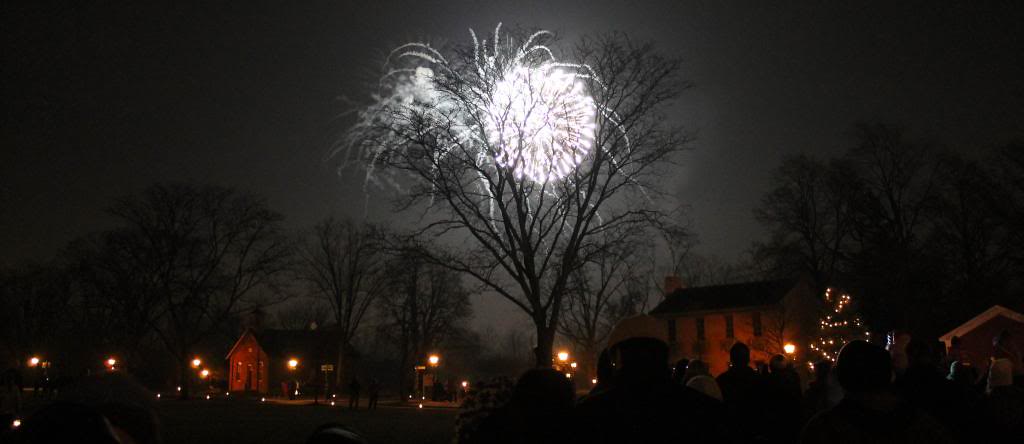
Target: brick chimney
{"points": [[673, 283]]}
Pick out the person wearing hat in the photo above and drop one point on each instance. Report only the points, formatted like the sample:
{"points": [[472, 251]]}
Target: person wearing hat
{"points": [[642, 404]]}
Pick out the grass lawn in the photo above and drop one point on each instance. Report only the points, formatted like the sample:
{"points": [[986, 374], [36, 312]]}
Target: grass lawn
{"points": [[246, 421]]}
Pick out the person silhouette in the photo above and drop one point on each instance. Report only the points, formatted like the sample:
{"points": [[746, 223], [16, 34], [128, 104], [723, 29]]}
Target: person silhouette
{"points": [[870, 412], [353, 393]]}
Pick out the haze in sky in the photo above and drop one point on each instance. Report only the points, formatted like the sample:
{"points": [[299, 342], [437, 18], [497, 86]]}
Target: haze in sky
{"points": [[103, 100]]}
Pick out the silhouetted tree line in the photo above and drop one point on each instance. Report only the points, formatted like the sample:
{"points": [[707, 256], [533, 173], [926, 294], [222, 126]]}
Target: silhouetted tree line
{"points": [[184, 267], [923, 235]]}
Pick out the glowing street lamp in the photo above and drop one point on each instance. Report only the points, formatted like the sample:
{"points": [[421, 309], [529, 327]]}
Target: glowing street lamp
{"points": [[465, 384], [111, 363], [204, 374], [573, 365], [293, 364], [434, 360], [16, 423], [789, 348], [196, 362], [563, 356], [33, 361]]}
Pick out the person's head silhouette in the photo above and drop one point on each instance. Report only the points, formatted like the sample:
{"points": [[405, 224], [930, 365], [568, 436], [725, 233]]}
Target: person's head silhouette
{"points": [[739, 355], [863, 367]]}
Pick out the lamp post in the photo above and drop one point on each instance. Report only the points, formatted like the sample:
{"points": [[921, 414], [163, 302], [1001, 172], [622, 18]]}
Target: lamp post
{"points": [[293, 390], [434, 360], [789, 348]]}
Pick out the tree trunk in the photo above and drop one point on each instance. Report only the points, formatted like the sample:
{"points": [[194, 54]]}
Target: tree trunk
{"points": [[403, 377], [545, 345], [339, 369], [183, 377]]}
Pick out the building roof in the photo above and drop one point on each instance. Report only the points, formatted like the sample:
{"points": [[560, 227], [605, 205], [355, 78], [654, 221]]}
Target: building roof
{"points": [[724, 297], [981, 319]]}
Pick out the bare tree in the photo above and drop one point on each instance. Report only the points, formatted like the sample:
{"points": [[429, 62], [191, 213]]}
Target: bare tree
{"points": [[611, 284], [304, 313], [36, 300], [116, 297], [343, 263], [208, 253], [446, 123], [810, 212], [423, 308]]}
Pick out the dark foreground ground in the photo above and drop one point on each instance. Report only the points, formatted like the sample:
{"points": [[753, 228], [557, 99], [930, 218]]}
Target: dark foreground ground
{"points": [[244, 421]]}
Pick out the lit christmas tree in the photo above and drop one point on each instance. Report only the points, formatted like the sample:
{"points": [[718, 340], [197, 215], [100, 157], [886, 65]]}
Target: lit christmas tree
{"points": [[839, 325]]}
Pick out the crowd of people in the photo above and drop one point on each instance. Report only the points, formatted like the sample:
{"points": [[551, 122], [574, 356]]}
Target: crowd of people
{"points": [[867, 396], [906, 394]]}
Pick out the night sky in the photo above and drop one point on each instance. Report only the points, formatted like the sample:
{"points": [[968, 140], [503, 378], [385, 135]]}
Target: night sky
{"points": [[101, 101]]}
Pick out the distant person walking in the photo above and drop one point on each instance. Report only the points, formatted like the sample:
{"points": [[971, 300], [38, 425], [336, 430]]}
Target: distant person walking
{"points": [[374, 392], [353, 393]]}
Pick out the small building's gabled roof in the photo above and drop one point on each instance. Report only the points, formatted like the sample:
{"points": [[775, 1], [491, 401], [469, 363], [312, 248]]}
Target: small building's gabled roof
{"points": [[724, 297], [981, 319]]}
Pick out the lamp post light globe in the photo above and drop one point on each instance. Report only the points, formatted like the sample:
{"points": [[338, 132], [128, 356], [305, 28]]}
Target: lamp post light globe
{"points": [[196, 362], [563, 356], [789, 348], [205, 373], [293, 364], [33, 361], [434, 360]]}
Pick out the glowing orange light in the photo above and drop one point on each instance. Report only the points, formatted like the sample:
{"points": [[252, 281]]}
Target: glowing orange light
{"points": [[593, 381], [16, 423], [293, 363], [563, 356], [434, 359], [34, 361], [573, 365], [465, 384], [203, 374], [789, 348], [196, 363]]}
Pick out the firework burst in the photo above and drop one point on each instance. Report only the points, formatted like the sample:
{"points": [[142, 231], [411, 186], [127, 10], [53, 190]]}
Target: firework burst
{"points": [[513, 107]]}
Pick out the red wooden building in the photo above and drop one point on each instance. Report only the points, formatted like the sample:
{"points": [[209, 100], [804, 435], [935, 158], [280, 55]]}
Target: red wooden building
{"points": [[976, 334], [261, 360]]}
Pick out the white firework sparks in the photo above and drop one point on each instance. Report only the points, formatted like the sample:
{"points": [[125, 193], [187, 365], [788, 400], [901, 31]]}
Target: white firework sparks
{"points": [[509, 107], [541, 122]]}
